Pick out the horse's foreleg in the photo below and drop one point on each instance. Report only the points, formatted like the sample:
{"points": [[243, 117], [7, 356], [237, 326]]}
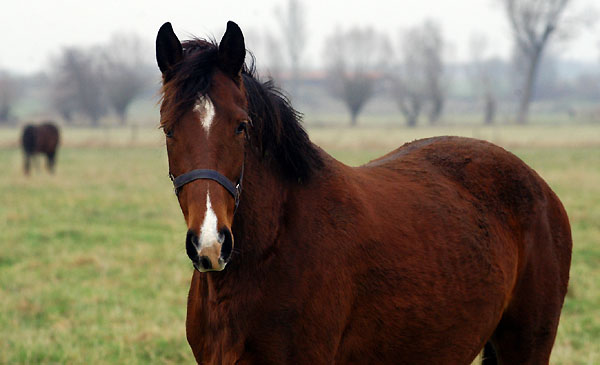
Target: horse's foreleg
{"points": [[27, 164], [35, 162], [50, 164]]}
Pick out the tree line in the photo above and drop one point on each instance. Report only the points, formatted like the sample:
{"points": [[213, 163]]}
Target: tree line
{"points": [[87, 83], [95, 81], [413, 70], [359, 63]]}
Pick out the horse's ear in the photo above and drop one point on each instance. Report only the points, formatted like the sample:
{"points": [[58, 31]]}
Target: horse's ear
{"points": [[232, 50], [168, 48]]}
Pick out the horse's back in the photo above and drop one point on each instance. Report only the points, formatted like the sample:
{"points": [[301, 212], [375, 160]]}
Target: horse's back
{"points": [[49, 137], [487, 172]]}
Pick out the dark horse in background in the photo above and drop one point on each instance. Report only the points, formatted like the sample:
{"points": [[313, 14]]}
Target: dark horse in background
{"points": [[42, 139], [424, 256]]}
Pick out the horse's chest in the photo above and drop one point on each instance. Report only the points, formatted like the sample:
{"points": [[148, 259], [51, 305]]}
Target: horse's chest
{"points": [[225, 346], [216, 343], [251, 336]]}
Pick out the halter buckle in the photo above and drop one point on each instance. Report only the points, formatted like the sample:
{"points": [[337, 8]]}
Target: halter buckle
{"points": [[172, 177], [238, 192]]}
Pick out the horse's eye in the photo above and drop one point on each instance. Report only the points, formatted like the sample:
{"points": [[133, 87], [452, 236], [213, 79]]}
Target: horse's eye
{"points": [[241, 128], [169, 133]]}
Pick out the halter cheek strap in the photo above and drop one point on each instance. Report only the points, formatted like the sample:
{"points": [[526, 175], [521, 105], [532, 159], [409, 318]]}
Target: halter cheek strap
{"points": [[188, 177]]}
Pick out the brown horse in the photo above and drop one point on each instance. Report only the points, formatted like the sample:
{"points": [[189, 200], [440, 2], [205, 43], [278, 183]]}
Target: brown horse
{"points": [[44, 139], [419, 257]]}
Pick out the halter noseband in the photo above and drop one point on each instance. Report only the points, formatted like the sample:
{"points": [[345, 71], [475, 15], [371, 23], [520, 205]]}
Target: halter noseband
{"points": [[188, 177]]}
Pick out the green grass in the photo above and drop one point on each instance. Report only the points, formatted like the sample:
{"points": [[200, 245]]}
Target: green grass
{"points": [[92, 262], [92, 265]]}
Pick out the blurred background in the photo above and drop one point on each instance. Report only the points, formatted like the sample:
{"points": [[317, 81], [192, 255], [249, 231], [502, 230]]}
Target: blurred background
{"points": [[92, 260]]}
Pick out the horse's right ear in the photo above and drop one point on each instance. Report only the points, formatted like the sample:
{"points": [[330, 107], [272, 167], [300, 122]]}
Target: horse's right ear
{"points": [[168, 48]]}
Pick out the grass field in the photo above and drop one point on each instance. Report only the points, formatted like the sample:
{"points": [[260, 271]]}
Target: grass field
{"points": [[92, 261]]}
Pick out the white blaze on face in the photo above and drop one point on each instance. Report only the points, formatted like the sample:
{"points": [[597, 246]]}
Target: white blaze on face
{"points": [[206, 111], [208, 232]]}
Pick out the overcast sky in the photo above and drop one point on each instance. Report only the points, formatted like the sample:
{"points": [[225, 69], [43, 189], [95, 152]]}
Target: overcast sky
{"points": [[32, 31]]}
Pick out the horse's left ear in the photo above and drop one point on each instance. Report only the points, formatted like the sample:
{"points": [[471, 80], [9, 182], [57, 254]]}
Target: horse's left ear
{"points": [[232, 50], [168, 48]]}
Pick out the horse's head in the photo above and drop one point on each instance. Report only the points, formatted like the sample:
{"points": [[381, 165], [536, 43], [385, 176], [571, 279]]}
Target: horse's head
{"points": [[204, 115]]}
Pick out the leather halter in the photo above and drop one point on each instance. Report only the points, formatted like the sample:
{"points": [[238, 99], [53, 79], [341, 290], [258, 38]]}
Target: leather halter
{"points": [[234, 189]]}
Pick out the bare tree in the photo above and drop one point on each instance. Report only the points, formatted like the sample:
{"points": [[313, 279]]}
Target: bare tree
{"points": [[293, 26], [62, 98], [482, 75], [354, 61], [532, 22], [409, 84], [433, 62], [79, 81], [9, 92], [418, 78], [123, 71]]}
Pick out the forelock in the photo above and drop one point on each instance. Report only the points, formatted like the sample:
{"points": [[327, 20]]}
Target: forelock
{"points": [[188, 80]]}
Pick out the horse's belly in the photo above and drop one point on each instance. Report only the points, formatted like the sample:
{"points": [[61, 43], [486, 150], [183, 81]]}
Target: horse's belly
{"points": [[418, 334], [431, 301]]}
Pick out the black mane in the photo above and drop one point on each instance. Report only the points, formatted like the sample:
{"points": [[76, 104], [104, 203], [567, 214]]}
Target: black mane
{"points": [[187, 80], [276, 131]]}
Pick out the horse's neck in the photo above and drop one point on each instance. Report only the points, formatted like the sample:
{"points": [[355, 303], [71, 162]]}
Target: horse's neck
{"points": [[261, 209]]}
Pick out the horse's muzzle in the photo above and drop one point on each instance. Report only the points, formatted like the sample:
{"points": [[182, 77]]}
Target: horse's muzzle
{"points": [[213, 256]]}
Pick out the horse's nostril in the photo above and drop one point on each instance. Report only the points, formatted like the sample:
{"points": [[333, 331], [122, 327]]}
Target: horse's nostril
{"points": [[205, 263], [226, 243], [191, 245]]}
